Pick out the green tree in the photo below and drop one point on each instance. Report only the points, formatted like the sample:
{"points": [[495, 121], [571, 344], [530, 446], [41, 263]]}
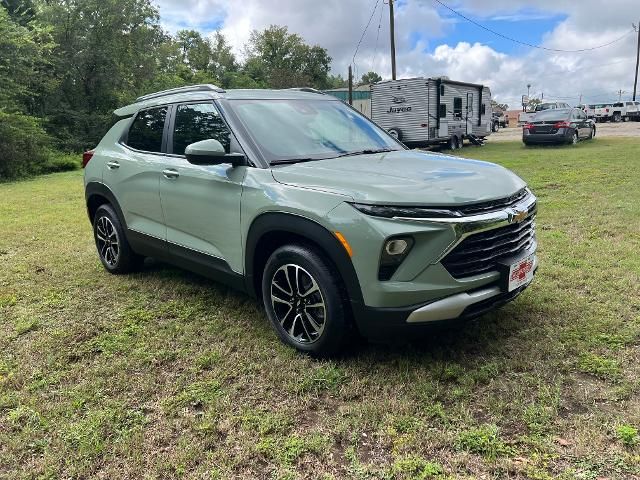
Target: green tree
{"points": [[499, 106], [23, 142], [370, 77], [281, 59]]}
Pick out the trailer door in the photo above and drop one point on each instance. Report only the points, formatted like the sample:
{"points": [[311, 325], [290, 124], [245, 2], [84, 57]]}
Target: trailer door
{"points": [[469, 116]]}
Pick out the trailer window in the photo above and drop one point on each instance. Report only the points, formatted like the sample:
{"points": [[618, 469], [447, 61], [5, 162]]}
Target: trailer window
{"points": [[457, 107], [483, 109], [443, 110], [441, 89]]}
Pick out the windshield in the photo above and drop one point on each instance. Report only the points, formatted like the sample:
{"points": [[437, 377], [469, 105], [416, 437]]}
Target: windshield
{"points": [[553, 114], [301, 130]]}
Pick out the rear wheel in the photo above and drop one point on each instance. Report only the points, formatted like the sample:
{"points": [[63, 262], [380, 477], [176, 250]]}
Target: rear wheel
{"points": [[574, 138], [453, 142], [113, 248], [304, 298], [617, 117]]}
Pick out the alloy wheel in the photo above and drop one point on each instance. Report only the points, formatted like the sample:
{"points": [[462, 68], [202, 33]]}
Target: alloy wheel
{"points": [[575, 138], [108, 242], [298, 303]]}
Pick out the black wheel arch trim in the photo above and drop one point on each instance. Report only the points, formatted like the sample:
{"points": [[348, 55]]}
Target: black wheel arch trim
{"points": [[315, 233], [100, 189]]}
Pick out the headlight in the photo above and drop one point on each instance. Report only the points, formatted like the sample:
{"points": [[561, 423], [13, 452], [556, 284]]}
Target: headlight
{"points": [[394, 251], [389, 211]]}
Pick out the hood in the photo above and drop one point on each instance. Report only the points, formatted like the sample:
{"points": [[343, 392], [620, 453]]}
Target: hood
{"points": [[404, 177]]}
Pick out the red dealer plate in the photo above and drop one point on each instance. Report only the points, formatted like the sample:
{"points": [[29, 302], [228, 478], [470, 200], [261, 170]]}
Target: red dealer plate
{"points": [[521, 273]]}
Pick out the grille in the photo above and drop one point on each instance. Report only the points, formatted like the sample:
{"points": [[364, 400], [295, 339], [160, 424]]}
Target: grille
{"points": [[481, 252], [493, 205]]}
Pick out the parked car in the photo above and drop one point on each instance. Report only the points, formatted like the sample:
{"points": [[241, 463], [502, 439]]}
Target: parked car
{"points": [[529, 115], [603, 112], [304, 203], [563, 125], [499, 120]]}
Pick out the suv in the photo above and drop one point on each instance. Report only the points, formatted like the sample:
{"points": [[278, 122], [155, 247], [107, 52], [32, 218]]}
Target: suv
{"points": [[301, 201]]}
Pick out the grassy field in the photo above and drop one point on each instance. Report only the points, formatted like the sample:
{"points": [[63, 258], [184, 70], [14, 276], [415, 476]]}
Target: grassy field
{"points": [[163, 374]]}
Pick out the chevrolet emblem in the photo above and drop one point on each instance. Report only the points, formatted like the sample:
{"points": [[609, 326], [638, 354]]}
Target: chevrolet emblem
{"points": [[516, 215]]}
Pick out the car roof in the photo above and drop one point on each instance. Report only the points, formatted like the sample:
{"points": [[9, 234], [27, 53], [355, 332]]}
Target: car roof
{"points": [[211, 92]]}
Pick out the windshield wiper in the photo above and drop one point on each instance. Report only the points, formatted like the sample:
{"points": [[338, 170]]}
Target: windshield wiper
{"points": [[292, 160], [368, 151]]}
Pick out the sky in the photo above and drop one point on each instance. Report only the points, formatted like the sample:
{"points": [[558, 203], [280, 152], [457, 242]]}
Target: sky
{"points": [[432, 41]]}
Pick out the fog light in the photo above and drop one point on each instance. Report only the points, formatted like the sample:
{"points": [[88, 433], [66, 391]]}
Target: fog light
{"points": [[396, 247]]}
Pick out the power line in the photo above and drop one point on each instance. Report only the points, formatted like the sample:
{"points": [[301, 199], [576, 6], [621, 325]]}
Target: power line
{"points": [[525, 43], [375, 52], [365, 31]]}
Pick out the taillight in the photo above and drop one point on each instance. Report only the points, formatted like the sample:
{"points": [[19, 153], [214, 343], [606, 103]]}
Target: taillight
{"points": [[562, 125], [607, 110], [86, 156], [528, 126]]}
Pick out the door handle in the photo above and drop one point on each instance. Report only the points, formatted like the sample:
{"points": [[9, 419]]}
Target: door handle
{"points": [[113, 165], [170, 174]]}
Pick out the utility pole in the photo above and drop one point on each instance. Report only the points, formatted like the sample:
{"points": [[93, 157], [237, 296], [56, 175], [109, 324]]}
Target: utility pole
{"points": [[620, 92], [392, 31], [580, 101], [350, 86], [635, 83]]}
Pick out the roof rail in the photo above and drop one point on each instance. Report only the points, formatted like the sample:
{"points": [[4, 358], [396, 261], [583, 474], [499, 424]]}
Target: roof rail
{"points": [[307, 89], [189, 88]]}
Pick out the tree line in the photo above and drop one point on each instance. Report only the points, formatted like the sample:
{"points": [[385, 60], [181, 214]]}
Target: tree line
{"points": [[65, 65]]}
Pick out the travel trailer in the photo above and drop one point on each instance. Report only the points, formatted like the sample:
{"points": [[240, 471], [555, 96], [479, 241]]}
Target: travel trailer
{"points": [[425, 111]]}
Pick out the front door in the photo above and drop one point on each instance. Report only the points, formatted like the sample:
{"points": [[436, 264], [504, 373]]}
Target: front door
{"points": [[201, 203]]}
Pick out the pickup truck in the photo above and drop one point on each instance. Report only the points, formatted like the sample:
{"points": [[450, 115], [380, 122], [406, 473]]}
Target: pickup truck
{"points": [[602, 112], [625, 111], [529, 116]]}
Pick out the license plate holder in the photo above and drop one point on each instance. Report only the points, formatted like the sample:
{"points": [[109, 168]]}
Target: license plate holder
{"points": [[517, 273]]}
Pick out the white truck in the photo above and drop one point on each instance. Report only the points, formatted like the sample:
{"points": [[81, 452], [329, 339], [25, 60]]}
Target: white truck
{"points": [[529, 115], [625, 111]]}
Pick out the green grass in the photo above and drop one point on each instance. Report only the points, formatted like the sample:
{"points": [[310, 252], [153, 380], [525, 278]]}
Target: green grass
{"points": [[163, 374]]}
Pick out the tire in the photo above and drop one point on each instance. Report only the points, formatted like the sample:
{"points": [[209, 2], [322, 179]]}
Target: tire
{"points": [[625, 119], [321, 330], [592, 133], [575, 139], [453, 142], [114, 250], [616, 117], [395, 133]]}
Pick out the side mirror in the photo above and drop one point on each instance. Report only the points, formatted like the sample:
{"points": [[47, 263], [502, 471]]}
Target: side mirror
{"points": [[211, 152]]}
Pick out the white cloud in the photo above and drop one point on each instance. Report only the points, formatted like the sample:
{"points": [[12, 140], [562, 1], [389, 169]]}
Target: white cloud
{"points": [[421, 49]]}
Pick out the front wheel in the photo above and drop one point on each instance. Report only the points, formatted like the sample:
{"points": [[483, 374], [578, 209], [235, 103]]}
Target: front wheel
{"points": [[574, 138], [304, 298]]}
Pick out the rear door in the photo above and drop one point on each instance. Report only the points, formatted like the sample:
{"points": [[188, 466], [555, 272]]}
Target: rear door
{"points": [[201, 203], [134, 176]]}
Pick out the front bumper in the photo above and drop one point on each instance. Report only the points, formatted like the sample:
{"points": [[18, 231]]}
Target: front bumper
{"points": [[423, 292]]}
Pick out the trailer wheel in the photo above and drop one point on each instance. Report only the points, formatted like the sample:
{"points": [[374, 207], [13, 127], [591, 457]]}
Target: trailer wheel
{"points": [[453, 142], [395, 133]]}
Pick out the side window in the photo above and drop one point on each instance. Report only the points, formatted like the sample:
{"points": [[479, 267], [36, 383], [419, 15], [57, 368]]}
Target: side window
{"points": [[146, 130], [457, 107], [483, 109], [441, 89], [443, 110], [199, 122]]}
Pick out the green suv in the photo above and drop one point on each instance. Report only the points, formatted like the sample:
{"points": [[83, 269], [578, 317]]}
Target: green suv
{"points": [[301, 201]]}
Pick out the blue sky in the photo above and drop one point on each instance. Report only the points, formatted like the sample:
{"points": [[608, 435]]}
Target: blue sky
{"points": [[433, 41]]}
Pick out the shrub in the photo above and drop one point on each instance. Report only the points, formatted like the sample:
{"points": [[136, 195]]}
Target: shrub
{"points": [[24, 146]]}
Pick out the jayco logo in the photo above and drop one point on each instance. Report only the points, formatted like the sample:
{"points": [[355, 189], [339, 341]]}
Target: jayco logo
{"points": [[398, 109]]}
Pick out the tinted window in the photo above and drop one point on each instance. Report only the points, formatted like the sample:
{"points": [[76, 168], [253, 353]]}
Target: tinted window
{"points": [[146, 130], [552, 114], [457, 107], [199, 122]]}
